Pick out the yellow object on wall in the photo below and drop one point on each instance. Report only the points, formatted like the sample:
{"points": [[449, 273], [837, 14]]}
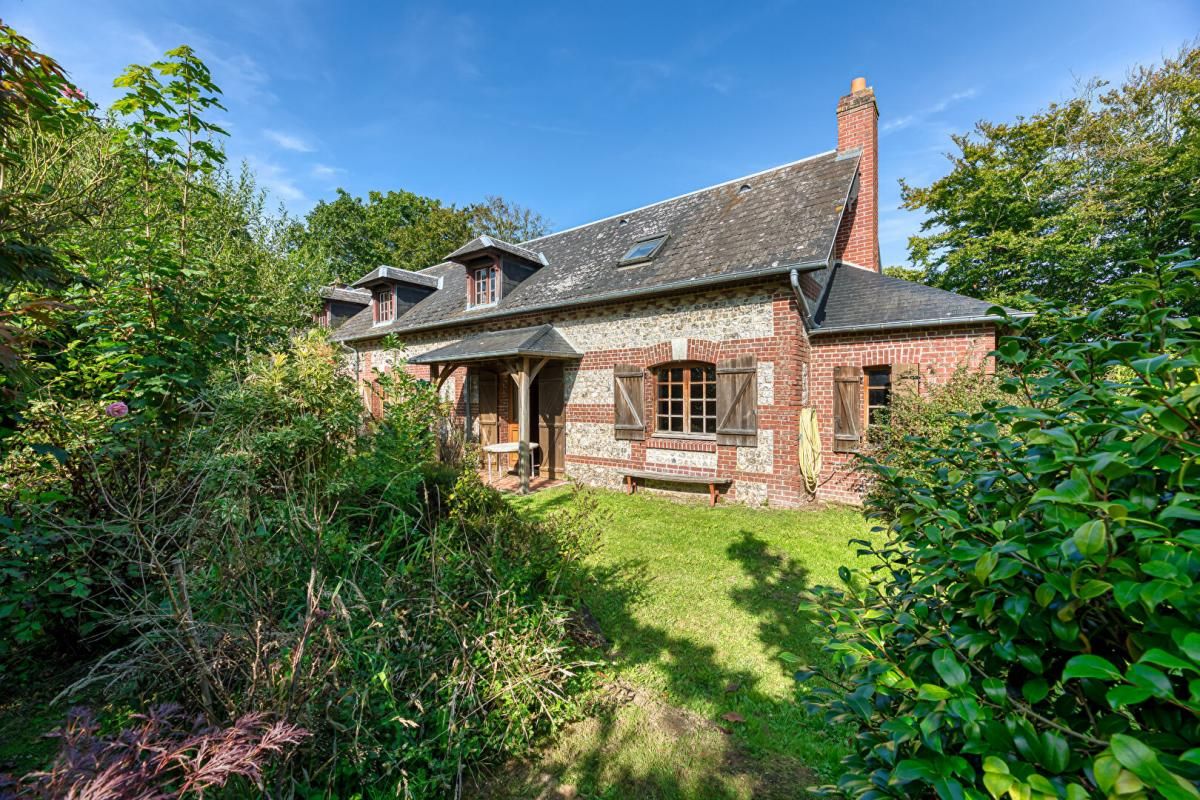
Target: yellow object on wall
{"points": [[810, 448]]}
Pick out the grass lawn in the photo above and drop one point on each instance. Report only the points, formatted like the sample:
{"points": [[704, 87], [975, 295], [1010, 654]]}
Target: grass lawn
{"points": [[697, 604]]}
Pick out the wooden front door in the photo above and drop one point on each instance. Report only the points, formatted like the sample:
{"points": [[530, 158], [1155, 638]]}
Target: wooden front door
{"points": [[551, 408], [489, 406]]}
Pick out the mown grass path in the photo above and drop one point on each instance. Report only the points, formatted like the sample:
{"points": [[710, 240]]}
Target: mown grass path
{"points": [[697, 604]]}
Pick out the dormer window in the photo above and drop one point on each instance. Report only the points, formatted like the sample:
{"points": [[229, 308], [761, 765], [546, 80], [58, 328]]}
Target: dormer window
{"points": [[385, 305], [643, 250], [484, 286]]}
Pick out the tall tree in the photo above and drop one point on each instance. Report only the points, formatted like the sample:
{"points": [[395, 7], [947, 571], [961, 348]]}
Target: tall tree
{"points": [[350, 236], [506, 220], [131, 263], [1061, 204]]}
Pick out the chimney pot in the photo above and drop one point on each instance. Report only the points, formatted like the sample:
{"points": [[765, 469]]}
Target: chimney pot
{"points": [[858, 85]]}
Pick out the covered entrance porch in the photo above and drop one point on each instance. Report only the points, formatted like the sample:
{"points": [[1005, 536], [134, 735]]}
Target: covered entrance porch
{"points": [[515, 398]]}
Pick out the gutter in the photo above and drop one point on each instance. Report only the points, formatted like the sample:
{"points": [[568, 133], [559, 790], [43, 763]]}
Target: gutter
{"points": [[801, 301], [623, 294], [921, 323]]}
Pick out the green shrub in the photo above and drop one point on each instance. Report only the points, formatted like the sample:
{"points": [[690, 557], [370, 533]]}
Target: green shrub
{"points": [[1032, 626], [915, 421], [298, 559]]}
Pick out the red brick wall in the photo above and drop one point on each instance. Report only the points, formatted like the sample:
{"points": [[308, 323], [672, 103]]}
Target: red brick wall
{"points": [[937, 352]]}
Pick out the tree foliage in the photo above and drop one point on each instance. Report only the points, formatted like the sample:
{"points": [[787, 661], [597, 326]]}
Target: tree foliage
{"points": [[1063, 203], [1029, 628], [349, 236], [196, 508], [174, 265]]}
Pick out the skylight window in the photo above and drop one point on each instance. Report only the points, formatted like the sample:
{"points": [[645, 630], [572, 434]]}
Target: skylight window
{"points": [[644, 250]]}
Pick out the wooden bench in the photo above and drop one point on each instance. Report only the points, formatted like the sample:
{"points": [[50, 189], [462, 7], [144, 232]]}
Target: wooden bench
{"points": [[634, 475]]}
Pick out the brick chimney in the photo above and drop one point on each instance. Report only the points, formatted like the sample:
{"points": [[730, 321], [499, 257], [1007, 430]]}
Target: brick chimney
{"points": [[858, 129]]}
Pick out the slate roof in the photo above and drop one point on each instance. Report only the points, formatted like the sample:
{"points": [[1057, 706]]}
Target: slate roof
{"points": [[761, 224], [541, 341], [360, 296], [397, 274], [859, 299], [483, 243]]}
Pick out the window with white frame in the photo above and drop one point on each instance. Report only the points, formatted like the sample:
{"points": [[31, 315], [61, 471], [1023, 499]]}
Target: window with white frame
{"points": [[484, 285], [385, 305]]}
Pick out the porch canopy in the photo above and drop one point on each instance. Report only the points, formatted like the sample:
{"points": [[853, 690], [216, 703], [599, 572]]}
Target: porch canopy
{"points": [[521, 353]]}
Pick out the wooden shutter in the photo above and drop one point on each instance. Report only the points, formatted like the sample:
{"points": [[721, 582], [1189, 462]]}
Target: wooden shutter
{"points": [[374, 398], [906, 379], [737, 401], [551, 407], [489, 405], [847, 409], [629, 402]]}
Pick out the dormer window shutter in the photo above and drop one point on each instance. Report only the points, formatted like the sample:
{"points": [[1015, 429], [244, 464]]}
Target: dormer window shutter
{"points": [[737, 401], [629, 412]]}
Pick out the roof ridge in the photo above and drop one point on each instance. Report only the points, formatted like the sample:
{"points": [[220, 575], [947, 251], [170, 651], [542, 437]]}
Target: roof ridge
{"points": [[679, 196]]}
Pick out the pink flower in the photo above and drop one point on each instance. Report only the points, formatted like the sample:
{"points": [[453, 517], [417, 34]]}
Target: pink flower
{"points": [[72, 93], [117, 409]]}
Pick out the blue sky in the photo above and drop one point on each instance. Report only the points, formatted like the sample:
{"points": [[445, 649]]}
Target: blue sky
{"points": [[581, 110]]}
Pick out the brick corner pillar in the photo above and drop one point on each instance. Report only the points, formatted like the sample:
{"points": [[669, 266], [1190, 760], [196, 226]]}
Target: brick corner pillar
{"points": [[858, 129]]}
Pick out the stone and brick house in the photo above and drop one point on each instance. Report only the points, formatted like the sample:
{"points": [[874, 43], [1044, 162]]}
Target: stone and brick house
{"points": [[682, 340]]}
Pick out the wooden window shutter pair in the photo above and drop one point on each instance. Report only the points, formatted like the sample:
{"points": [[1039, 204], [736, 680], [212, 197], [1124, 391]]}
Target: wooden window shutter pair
{"points": [[737, 401], [629, 402]]}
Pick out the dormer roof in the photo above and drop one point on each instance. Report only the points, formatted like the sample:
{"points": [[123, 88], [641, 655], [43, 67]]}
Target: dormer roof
{"points": [[386, 274], [360, 296], [483, 245]]}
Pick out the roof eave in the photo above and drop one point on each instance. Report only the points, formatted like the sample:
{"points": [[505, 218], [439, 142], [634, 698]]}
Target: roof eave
{"points": [[940, 322], [492, 356], [607, 297]]}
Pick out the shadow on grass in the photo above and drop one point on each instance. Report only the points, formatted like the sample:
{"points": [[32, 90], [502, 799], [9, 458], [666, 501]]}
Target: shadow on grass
{"points": [[777, 582], [730, 739]]}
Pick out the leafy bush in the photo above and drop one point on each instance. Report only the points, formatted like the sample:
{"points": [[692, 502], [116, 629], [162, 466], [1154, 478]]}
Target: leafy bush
{"points": [[196, 519], [917, 420], [290, 561], [1031, 629]]}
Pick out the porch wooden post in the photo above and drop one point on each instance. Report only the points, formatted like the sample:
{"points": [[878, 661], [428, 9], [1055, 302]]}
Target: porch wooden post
{"points": [[523, 461]]}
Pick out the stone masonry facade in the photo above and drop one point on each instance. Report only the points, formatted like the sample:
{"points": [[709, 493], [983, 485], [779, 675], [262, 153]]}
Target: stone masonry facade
{"points": [[758, 319]]}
